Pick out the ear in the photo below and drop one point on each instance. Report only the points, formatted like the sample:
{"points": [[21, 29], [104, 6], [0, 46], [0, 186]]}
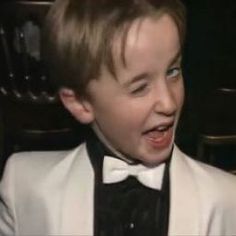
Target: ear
{"points": [[80, 108]]}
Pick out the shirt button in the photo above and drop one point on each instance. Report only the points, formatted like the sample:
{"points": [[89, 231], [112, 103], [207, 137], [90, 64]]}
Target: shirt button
{"points": [[131, 225]]}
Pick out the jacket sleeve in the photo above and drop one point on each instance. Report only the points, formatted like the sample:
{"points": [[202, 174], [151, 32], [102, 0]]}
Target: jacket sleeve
{"points": [[7, 196]]}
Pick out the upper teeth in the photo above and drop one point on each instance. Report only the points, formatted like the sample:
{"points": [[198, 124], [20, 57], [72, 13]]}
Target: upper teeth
{"points": [[161, 128]]}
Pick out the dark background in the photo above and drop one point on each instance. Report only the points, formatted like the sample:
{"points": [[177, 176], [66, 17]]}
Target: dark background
{"points": [[211, 44], [209, 62]]}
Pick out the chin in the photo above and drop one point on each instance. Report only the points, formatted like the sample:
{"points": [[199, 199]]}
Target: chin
{"points": [[156, 158]]}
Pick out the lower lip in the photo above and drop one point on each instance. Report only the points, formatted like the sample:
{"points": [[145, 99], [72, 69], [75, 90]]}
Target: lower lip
{"points": [[162, 142]]}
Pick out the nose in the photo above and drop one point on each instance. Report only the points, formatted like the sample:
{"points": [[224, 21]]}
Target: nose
{"points": [[165, 99]]}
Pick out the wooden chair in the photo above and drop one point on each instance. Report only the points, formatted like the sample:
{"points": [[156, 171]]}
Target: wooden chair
{"points": [[32, 115], [218, 127]]}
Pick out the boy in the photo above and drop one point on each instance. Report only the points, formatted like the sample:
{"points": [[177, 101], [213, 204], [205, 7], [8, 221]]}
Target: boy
{"points": [[118, 68]]}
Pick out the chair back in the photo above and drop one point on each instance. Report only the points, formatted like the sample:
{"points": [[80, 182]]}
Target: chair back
{"points": [[32, 115], [217, 134], [23, 75]]}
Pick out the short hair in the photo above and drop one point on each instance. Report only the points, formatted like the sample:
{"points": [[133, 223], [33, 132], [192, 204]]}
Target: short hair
{"points": [[80, 34]]}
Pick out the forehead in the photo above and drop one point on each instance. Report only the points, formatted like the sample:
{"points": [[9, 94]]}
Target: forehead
{"points": [[147, 39]]}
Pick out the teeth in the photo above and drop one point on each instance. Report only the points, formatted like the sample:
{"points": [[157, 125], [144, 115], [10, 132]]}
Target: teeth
{"points": [[162, 128]]}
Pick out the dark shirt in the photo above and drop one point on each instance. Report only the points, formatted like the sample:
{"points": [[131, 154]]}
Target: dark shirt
{"points": [[127, 208]]}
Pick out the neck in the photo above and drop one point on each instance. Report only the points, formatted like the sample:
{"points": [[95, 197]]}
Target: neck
{"points": [[104, 140]]}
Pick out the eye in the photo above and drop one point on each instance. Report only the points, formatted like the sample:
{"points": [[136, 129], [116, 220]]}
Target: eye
{"points": [[140, 89], [173, 72]]}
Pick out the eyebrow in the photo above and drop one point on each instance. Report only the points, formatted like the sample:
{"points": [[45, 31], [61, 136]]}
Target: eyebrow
{"points": [[142, 76], [135, 79], [175, 58]]}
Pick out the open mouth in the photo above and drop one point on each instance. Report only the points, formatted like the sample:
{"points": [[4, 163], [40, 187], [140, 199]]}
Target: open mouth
{"points": [[159, 136]]}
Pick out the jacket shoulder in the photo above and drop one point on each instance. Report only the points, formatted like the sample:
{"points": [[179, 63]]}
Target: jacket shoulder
{"points": [[212, 181], [36, 164]]}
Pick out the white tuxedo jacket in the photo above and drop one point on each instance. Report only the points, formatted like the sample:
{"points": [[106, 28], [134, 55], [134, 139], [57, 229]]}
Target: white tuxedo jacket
{"points": [[51, 193]]}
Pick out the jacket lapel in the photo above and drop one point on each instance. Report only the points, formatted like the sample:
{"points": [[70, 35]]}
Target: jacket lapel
{"points": [[77, 213], [184, 199]]}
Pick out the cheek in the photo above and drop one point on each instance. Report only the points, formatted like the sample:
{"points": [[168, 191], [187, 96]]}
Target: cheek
{"points": [[179, 95], [128, 118], [182, 95]]}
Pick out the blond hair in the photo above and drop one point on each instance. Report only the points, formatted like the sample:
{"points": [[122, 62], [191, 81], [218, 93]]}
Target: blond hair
{"points": [[79, 35]]}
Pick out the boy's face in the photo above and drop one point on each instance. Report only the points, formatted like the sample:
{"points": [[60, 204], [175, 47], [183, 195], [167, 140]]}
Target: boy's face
{"points": [[138, 112]]}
